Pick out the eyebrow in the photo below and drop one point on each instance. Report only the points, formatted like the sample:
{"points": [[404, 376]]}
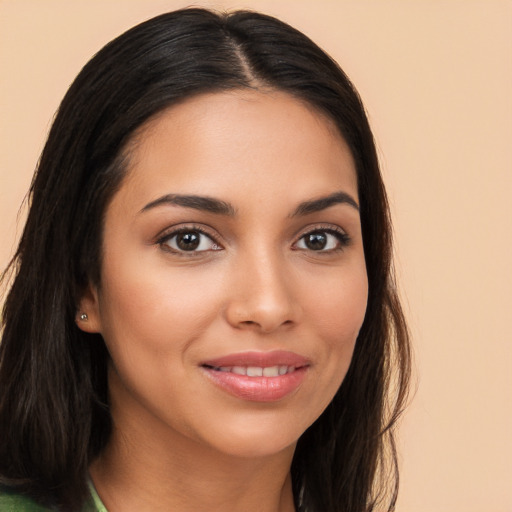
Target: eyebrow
{"points": [[219, 207], [203, 203], [317, 205]]}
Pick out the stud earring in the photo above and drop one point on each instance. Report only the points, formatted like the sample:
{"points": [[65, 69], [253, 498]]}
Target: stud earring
{"points": [[84, 317]]}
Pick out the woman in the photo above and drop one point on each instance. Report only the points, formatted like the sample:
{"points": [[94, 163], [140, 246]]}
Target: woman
{"points": [[194, 321]]}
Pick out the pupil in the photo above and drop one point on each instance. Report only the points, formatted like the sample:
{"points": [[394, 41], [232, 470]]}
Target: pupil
{"points": [[188, 241], [316, 241]]}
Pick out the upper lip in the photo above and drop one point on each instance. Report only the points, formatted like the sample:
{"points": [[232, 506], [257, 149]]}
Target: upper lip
{"points": [[259, 359]]}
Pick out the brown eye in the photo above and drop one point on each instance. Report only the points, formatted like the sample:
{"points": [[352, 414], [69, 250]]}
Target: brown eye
{"points": [[189, 241], [323, 241], [315, 241]]}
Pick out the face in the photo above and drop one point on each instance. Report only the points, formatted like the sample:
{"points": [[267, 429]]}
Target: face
{"points": [[233, 281]]}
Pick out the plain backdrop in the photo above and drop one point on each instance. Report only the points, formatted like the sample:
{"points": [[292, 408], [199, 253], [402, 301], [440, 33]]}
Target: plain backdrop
{"points": [[436, 78]]}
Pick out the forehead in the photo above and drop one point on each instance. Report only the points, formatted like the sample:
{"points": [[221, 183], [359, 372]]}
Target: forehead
{"points": [[222, 143]]}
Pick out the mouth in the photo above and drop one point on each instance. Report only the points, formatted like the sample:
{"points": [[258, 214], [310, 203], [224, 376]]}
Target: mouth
{"points": [[258, 376], [254, 371]]}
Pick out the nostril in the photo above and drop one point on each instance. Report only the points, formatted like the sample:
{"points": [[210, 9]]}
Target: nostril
{"points": [[263, 311]]}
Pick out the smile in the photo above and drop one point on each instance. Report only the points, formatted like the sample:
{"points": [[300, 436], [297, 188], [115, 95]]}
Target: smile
{"points": [[256, 371], [258, 376]]}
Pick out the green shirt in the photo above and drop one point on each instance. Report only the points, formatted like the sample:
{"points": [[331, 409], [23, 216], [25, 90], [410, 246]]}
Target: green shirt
{"points": [[12, 502]]}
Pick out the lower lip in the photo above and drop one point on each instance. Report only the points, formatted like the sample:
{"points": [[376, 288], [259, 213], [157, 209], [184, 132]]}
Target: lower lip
{"points": [[258, 389]]}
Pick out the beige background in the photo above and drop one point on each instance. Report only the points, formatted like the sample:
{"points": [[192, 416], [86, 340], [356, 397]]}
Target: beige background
{"points": [[436, 77]]}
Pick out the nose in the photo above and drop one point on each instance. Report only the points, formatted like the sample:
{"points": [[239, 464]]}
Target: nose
{"points": [[262, 296]]}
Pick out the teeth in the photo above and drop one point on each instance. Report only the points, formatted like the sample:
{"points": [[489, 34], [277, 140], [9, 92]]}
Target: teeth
{"points": [[256, 371], [271, 371]]}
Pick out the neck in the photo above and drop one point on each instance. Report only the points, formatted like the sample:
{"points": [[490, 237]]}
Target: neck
{"points": [[130, 479], [149, 466]]}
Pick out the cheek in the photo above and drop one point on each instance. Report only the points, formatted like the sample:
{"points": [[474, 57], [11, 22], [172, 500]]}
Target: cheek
{"points": [[149, 319], [155, 303], [339, 313], [148, 322], [341, 307]]}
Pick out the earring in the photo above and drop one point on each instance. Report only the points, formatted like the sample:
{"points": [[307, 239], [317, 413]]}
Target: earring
{"points": [[84, 317]]}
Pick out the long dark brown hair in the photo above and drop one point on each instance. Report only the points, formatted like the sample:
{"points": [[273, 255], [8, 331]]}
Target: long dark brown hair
{"points": [[54, 413]]}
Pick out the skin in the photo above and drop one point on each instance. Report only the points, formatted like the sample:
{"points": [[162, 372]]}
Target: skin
{"points": [[180, 442]]}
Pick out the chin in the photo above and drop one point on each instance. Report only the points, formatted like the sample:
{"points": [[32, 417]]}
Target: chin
{"points": [[255, 448], [255, 437]]}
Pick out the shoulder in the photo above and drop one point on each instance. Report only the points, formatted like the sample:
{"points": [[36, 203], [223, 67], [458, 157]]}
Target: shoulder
{"points": [[10, 501]]}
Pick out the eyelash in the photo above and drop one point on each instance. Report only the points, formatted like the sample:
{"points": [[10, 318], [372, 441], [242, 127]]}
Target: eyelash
{"points": [[167, 237], [163, 241], [342, 238]]}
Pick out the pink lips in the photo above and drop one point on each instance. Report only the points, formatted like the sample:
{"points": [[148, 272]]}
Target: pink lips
{"points": [[258, 376]]}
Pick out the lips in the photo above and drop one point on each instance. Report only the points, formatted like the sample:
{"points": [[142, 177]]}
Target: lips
{"points": [[258, 376], [257, 371]]}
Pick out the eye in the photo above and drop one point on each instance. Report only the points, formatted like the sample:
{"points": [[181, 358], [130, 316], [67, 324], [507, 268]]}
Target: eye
{"points": [[188, 240], [323, 240]]}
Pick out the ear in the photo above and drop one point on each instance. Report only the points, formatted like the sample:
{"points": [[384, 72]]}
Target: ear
{"points": [[88, 317]]}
